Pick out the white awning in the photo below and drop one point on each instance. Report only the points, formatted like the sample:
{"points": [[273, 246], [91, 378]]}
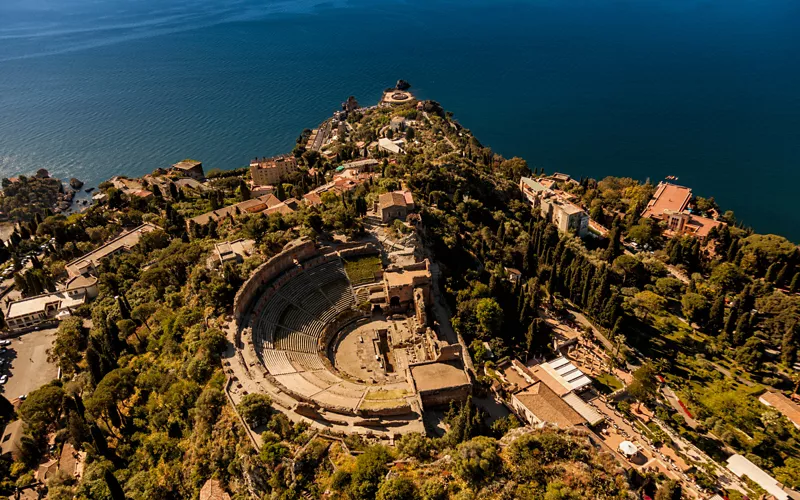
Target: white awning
{"points": [[628, 448]]}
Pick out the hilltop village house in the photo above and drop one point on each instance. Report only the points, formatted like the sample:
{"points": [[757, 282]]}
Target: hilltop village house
{"points": [[234, 251], [670, 204], [268, 204], [87, 264], [190, 168], [395, 205], [270, 171], [81, 285], [548, 393], [555, 205], [32, 311]]}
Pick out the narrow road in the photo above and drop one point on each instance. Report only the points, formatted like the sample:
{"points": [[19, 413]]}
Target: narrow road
{"points": [[583, 320], [728, 373], [674, 401], [322, 133], [442, 314]]}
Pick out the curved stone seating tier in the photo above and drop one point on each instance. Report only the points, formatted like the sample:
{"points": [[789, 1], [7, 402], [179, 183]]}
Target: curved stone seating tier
{"points": [[297, 288], [340, 293], [263, 334], [296, 383], [289, 340], [328, 376], [332, 400], [306, 362], [288, 322], [349, 389], [326, 273], [312, 378], [294, 318], [277, 362], [316, 304]]}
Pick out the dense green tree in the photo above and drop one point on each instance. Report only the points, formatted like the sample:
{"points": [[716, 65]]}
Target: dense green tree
{"points": [[255, 409], [489, 316], [477, 460], [397, 488], [669, 490], [67, 350], [42, 407], [414, 445], [716, 317], [369, 472], [644, 385], [433, 489], [695, 307]]}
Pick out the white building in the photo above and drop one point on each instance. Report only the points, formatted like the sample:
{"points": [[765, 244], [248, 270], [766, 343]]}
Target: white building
{"points": [[388, 145], [567, 217], [32, 311], [555, 207], [88, 264], [741, 466]]}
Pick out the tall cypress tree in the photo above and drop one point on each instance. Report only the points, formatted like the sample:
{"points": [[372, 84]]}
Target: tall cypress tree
{"points": [[794, 286], [716, 317], [730, 323], [783, 275]]}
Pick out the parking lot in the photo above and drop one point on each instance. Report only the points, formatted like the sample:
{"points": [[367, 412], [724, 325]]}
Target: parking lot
{"points": [[28, 368]]}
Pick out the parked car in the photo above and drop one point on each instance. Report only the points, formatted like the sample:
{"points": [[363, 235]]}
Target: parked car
{"points": [[3, 379], [5, 342]]}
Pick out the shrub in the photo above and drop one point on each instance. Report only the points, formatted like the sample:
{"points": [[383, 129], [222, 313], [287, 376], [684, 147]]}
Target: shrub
{"points": [[477, 459], [255, 409], [369, 472], [397, 488]]}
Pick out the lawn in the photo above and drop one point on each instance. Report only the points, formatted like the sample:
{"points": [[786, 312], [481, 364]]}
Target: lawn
{"points": [[607, 383], [386, 394], [362, 270]]}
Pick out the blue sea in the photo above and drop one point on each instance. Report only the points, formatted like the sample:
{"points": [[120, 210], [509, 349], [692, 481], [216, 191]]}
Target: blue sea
{"points": [[706, 90]]}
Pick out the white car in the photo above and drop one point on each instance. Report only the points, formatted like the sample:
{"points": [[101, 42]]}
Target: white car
{"points": [[3, 379], [5, 342]]}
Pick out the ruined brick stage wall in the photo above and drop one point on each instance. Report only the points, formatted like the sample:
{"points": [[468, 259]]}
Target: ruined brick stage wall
{"points": [[445, 396], [350, 250]]}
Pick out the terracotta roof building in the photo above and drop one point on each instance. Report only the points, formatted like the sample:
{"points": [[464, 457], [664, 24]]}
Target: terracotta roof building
{"points": [[213, 490], [784, 405], [88, 263], [539, 405], [190, 168], [395, 205], [670, 197], [268, 203], [562, 376], [670, 203], [688, 223]]}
